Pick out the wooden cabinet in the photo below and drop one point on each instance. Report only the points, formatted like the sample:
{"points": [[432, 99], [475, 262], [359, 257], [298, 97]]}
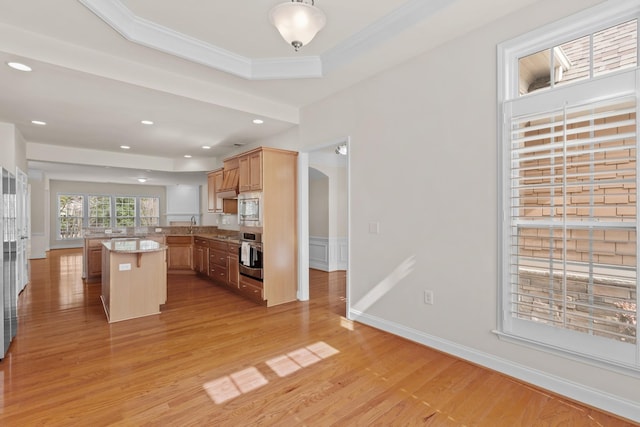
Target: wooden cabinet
{"points": [[94, 262], [201, 255], [179, 253], [279, 235], [252, 289], [214, 184], [250, 171], [233, 267], [230, 175], [218, 261], [92, 259]]}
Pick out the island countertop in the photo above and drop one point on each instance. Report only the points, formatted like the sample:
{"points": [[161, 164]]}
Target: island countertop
{"points": [[133, 246]]}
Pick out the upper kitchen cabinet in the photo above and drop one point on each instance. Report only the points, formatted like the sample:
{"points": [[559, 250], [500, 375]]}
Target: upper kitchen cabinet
{"points": [[250, 169], [214, 184]]}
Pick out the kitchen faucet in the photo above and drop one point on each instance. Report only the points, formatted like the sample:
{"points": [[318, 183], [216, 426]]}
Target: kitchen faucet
{"points": [[192, 223]]}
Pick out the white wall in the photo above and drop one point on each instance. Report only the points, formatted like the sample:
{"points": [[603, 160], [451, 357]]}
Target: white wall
{"points": [[319, 206], [12, 148], [183, 203], [423, 153], [40, 214]]}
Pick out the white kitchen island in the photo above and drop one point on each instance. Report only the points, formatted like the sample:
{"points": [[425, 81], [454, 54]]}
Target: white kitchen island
{"points": [[134, 278]]}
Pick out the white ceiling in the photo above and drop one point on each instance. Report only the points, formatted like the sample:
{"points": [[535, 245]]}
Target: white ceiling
{"points": [[202, 70]]}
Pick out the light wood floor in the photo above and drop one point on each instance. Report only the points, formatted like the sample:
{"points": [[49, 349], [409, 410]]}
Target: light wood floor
{"points": [[212, 358]]}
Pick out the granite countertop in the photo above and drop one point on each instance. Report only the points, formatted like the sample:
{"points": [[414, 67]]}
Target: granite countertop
{"points": [[226, 238], [205, 232], [133, 246]]}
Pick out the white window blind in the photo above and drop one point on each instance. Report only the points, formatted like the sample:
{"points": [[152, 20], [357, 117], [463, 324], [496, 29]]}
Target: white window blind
{"points": [[570, 229]]}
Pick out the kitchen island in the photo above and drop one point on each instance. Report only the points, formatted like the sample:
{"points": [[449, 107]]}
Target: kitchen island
{"points": [[134, 278]]}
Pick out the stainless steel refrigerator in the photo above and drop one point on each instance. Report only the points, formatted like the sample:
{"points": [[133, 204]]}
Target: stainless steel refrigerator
{"points": [[8, 292]]}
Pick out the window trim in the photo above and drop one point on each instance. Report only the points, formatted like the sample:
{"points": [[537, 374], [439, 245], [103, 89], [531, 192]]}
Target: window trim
{"points": [[591, 20]]}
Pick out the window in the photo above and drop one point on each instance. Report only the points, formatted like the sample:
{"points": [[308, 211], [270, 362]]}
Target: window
{"points": [[149, 211], [104, 211], [100, 211], [569, 187], [125, 211], [70, 216]]}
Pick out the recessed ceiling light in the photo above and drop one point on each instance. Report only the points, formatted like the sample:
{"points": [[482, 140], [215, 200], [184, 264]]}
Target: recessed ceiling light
{"points": [[258, 121], [125, 147], [19, 66], [187, 156], [206, 147], [146, 122], [142, 179], [38, 122]]}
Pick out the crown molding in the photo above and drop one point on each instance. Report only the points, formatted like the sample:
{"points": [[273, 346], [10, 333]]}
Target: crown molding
{"points": [[380, 31], [155, 36]]}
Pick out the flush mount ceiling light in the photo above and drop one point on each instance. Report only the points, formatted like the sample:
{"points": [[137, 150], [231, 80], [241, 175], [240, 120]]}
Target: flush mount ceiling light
{"points": [[125, 147], [298, 21], [258, 121], [146, 122], [206, 147], [38, 122], [142, 179], [187, 156], [341, 149]]}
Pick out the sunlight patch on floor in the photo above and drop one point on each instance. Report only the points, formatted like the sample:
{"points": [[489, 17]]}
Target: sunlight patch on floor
{"points": [[346, 323], [228, 387], [231, 386]]}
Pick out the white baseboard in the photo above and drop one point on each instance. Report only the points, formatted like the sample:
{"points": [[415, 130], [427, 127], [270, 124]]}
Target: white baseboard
{"points": [[328, 253], [588, 395]]}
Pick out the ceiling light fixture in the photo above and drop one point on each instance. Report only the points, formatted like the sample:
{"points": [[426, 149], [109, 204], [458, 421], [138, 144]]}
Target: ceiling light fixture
{"points": [[206, 147], [146, 122], [38, 122], [258, 121], [298, 21], [187, 156], [341, 149], [125, 147], [19, 66], [142, 179]]}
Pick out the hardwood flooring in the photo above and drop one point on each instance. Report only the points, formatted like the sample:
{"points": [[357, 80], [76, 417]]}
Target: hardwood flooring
{"points": [[213, 358]]}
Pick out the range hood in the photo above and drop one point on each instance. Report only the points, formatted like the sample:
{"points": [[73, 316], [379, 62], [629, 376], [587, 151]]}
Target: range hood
{"points": [[229, 188]]}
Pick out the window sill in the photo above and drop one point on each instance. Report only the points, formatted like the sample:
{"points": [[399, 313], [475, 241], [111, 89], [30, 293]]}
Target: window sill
{"points": [[568, 354]]}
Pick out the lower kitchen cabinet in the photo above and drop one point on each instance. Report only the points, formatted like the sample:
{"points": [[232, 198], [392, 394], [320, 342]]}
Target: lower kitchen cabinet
{"points": [[179, 253], [201, 255], [93, 259], [95, 262], [218, 260], [252, 289], [234, 267]]}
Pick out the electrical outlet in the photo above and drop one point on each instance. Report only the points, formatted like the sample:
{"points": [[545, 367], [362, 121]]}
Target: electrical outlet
{"points": [[428, 297]]}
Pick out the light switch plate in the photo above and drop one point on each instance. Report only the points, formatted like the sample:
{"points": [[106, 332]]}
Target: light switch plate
{"points": [[374, 227], [124, 267]]}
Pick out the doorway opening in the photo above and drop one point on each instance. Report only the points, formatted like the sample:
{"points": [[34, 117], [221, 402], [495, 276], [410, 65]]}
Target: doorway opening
{"points": [[324, 214]]}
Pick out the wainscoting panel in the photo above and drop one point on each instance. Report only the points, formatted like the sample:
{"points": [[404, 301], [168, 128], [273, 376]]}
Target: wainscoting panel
{"points": [[328, 253]]}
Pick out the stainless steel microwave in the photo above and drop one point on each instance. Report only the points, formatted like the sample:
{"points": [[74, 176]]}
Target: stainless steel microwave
{"points": [[250, 209]]}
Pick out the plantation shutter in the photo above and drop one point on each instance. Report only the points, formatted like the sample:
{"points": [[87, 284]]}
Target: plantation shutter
{"points": [[571, 233]]}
